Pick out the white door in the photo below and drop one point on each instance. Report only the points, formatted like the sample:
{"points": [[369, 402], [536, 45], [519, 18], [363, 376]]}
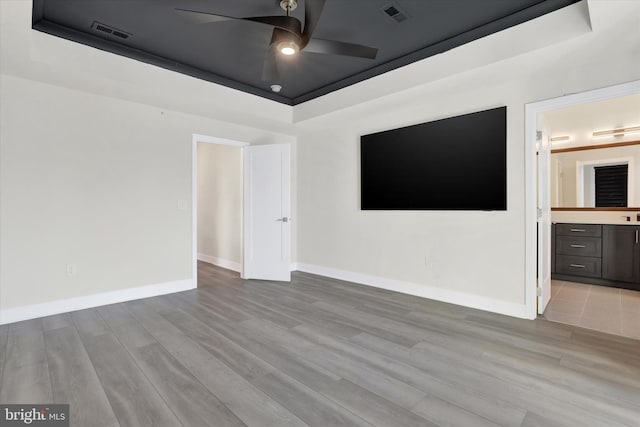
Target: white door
{"points": [[267, 208], [544, 221]]}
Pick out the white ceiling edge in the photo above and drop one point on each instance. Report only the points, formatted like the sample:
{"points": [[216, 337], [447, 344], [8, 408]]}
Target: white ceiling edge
{"points": [[32, 55], [576, 65], [29, 54], [556, 27]]}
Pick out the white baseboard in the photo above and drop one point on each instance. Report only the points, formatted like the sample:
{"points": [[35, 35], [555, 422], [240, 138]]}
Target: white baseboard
{"points": [[26, 312], [421, 290], [293, 266], [220, 262]]}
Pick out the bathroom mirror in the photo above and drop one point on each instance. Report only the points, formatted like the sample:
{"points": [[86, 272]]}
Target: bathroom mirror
{"points": [[596, 177]]}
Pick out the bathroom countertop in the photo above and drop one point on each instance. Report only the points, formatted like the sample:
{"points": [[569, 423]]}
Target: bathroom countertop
{"points": [[598, 222]]}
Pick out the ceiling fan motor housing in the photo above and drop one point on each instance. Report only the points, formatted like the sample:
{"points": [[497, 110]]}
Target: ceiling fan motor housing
{"points": [[290, 24]]}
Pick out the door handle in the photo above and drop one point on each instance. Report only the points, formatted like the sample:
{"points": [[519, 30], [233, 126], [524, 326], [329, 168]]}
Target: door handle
{"points": [[283, 219], [637, 236]]}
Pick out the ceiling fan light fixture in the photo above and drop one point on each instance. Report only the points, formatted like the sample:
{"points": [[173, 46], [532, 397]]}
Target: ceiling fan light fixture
{"points": [[288, 48]]}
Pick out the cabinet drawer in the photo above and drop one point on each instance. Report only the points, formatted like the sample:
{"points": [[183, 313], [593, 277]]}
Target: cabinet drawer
{"points": [[589, 230], [579, 266], [579, 246]]}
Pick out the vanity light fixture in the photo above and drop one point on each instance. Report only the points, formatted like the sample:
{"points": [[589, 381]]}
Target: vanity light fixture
{"points": [[617, 132], [563, 138]]}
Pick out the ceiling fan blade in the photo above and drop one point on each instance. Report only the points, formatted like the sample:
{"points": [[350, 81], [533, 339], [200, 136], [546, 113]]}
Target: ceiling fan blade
{"points": [[270, 72], [312, 12], [334, 47], [285, 22], [194, 17]]}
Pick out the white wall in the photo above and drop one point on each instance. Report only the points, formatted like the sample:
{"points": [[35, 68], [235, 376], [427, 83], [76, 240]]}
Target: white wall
{"points": [[473, 258], [96, 154], [98, 182], [580, 121], [480, 253], [219, 204], [92, 179]]}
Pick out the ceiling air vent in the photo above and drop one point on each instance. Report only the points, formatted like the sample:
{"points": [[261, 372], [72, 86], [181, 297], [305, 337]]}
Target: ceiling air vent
{"points": [[394, 12], [102, 28]]}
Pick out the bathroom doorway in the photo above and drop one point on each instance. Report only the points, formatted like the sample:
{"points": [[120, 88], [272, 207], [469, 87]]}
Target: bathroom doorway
{"points": [[586, 290]]}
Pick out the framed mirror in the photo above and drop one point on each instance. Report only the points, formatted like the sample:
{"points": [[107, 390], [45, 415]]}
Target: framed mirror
{"points": [[598, 177]]}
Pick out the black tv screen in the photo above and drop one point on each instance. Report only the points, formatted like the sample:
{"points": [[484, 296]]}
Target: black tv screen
{"points": [[458, 163]]}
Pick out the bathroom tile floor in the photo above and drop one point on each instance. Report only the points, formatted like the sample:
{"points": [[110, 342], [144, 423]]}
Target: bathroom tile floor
{"points": [[612, 310]]}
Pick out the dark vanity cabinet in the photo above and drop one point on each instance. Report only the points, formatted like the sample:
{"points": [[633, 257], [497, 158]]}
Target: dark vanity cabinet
{"points": [[578, 250], [553, 249], [607, 255], [622, 248]]}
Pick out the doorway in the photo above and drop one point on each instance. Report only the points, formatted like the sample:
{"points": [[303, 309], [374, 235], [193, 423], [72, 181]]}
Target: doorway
{"points": [[535, 127], [249, 215], [217, 202]]}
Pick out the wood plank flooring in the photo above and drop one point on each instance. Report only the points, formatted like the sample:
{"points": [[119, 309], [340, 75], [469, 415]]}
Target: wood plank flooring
{"points": [[316, 352]]}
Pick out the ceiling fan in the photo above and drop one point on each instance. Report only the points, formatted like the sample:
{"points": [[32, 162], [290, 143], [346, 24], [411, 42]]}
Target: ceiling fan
{"points": [[289, 37]]}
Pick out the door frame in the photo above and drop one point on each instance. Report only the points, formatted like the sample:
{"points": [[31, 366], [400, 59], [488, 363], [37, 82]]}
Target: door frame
{"points": [[532, 110], [195, 138]]}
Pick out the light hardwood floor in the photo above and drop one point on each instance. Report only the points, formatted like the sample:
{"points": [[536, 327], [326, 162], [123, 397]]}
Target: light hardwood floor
{"points": [[316, 352]]}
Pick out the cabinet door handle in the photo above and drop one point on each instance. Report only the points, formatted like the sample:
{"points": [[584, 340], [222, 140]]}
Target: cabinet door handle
{"points": [[576, 265], [578, 246], [578, 230], [637, 236]]}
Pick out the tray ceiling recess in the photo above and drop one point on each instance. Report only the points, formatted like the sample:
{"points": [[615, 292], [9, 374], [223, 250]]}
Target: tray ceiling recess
{"points": [[290, 51]]}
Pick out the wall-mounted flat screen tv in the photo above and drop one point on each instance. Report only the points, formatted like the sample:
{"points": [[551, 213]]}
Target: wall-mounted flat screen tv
{"points": [[458, 163]]}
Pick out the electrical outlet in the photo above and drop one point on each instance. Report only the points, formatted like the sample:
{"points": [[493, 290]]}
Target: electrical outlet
{"points": [[71, 269]]}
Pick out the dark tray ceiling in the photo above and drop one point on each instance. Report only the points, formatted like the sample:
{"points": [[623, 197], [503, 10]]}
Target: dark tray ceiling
{"points": [[232, 53]]}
